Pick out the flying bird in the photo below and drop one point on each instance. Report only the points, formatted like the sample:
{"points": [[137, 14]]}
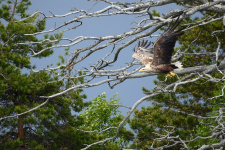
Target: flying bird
{"points": [[158, 58]]}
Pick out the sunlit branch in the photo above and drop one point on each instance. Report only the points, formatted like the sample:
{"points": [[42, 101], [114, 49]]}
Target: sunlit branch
{"points": [[98, 132], [40, 105]]}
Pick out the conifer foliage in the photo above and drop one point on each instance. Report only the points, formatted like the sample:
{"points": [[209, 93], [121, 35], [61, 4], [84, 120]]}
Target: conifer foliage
{"points": [[20, 88]]}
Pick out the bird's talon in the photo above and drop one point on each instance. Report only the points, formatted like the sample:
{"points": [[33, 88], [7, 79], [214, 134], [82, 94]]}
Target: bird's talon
{"points": [[171, 74]]}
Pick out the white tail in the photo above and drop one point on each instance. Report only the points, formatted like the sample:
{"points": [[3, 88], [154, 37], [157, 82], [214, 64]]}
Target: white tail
{"points": [[179, 65]]}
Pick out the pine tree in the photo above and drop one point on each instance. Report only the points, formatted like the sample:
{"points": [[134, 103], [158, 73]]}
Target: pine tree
{"points": [[51, 126]]}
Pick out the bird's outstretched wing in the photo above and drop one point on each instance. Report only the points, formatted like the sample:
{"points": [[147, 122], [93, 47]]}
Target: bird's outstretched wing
{"points": [[143, 53], [164, 45]]}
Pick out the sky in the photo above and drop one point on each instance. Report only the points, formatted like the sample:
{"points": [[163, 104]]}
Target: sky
{"points": [[129, 91]]}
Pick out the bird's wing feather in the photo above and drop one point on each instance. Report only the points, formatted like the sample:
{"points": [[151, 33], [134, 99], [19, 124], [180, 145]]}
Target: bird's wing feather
{"points": [[164, 45], [143, 53]]}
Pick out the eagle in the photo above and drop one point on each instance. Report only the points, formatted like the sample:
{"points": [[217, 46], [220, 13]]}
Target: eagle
{"points": [[158, 58]]}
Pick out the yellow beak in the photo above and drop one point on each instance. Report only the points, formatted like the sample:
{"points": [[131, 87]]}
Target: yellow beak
{"points": [[141, 70]]}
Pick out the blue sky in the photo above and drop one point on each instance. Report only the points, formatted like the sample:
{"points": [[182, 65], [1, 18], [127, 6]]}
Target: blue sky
{"points": [[129, 91]]}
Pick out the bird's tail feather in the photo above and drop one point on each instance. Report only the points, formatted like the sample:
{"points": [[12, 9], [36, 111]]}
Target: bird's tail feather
{"points": [[179, 65]]}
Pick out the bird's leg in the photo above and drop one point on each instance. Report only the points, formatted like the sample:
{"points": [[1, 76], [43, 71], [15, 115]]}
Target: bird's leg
{"points": [[171, 74]]}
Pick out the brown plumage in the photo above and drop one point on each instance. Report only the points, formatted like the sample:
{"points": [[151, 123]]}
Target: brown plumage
{"points": [[158, 59]]}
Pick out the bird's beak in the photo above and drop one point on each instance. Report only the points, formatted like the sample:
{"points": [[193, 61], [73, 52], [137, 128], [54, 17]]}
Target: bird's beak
{"points": [[141, 70]]}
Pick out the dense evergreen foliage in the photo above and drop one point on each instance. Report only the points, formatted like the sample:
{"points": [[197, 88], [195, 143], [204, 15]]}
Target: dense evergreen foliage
{"points": [[50, 126]]}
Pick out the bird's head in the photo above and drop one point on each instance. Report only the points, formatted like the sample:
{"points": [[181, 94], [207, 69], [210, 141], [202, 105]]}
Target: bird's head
{"points": [[142, 70], [146, 69]]}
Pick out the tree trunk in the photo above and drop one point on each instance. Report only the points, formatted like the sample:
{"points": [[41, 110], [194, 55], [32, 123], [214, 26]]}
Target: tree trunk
{"points": [[20, 127]]}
